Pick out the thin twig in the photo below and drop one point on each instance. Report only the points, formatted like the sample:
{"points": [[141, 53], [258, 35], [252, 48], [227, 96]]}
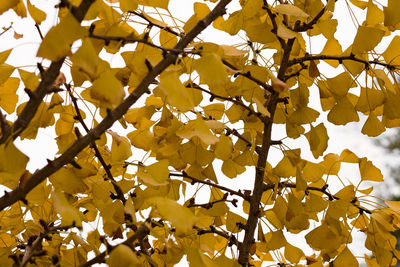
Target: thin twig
{"points": [[118, 190], [223, 188]]}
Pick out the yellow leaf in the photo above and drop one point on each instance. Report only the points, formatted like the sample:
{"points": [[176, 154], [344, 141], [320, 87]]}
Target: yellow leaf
{"points": [[12, 164], [373, 126], [123, 255], [303, 115], [31, 81], [6, 5], [366, 39], [197, 128], [215, 110], [285, 168], [340, 85], [312, 172], [394, 205], [232, 221], [275, 240], [177, 94], [197, 259], [86, 58], [57, 42], [366, 191], [4, 55], [374, 14], [167, 39], [345, 258], [369, 172], [37, 14], [359, 3], [107, 89], [69, 214], [343, 112], [292, 253], [5, 72], [155, 174], [180, 217], [128, 5], [332, 47], [392, 16], [20, 9], [318, 139], [223, 148], [8, 95], [291, 10], [392, 52], [348, 156], [65, 179], [212, 72], [323, 237], [369, 99], [231, 169], [253, 32], [332, 164], [284, 32], [120, 149]]}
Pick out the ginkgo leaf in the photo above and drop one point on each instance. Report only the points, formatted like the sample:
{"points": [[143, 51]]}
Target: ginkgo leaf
{"points": [[340, 85], [107, 89], [180, 217], [69, 214], [332, 47], [343, 112], [197, 259], [374, 14], [318, 139], [86, 58], [348, 156], [231, 169], [8, 95], [6, 5], [360, 3], [177, 94], [312, 172], [123, 255], [12, 164], [212, 72], [253, 32], [345, 258], [284, 32], [57, 42], [285, 168], [275, 240], [215, 110], [369, 99], [331, 163], [155, 174], [37, 14], [366, 39], [291, 10], [65, 179], [223, 148], [392, 16], [323, 237], [292, 253], [128, 5], [4, 55], [369, 172], [198, 128], [303, 115], [5, 72], [233, 221], [373, 126], [392, 53], [120, 148]]}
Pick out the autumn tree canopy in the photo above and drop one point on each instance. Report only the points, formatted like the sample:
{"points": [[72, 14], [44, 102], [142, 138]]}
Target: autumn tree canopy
{"points": [[144, 148]]}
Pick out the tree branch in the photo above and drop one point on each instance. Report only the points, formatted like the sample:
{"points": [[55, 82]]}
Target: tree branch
{"points": [[341, 59], [223, 188], [254, 213], [40, 175], [231, 238]]}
